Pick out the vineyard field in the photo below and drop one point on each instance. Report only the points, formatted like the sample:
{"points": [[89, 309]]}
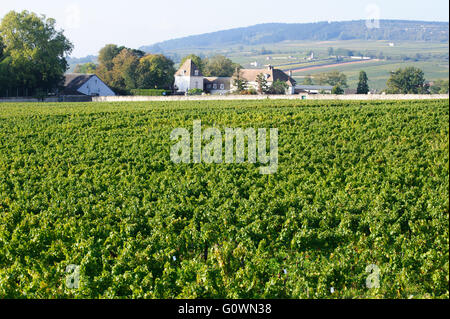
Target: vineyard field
{"points": [[359, 185]]}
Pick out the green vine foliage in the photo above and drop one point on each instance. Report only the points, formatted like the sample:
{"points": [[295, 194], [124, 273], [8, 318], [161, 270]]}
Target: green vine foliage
{"points": [[92, 185]]}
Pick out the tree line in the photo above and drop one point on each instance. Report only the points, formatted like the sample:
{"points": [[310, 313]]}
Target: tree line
{"points": [[33, 60], [32, 54], [409, 80], [125, 69]]}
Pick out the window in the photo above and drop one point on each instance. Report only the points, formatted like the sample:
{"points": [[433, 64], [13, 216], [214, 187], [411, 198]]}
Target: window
{"points": [[196, 72], [208, 86], [215, 86], [222, 86]]}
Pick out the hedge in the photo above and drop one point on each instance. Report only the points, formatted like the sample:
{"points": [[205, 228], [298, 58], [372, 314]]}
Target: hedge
{"points": [[150, 92]]}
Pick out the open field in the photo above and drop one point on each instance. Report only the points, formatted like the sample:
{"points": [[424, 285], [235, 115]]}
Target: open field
{"points": [[92, 185], [431, 56], [378, 72]]}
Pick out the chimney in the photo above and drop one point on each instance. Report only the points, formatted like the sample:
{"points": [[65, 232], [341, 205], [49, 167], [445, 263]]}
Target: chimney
{"points": [[270, 67], [290, 73]]}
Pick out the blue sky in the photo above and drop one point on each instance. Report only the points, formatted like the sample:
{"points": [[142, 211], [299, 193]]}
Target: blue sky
{"points": [[94, 23]]}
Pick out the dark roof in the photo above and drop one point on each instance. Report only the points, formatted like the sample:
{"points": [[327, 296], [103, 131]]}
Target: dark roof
{"points": [[73, 81], [188, 69]]}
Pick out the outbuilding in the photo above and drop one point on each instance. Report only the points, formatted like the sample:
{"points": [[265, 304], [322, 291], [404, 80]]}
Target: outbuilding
{"points": [[85, 84]]}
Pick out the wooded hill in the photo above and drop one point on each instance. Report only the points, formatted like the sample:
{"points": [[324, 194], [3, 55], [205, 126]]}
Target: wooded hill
{"points": [[394, 30]]}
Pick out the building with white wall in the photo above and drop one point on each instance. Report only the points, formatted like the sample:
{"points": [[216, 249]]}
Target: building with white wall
{"points": [[188, 77], [85, 84]]}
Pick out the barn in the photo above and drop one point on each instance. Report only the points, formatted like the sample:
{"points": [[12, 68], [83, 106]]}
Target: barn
{"points": [[85, 84]]}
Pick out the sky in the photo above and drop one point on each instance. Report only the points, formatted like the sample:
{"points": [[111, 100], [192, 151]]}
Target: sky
{"points": [[90, 24]]}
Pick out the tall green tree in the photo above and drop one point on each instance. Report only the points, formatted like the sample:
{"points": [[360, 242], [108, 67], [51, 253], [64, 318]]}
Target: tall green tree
{"points": [[363, 84], [308, 80], [439, 87], [409, 80], [219, 65], [34, 50], [124, 72], [333, 78], [278, 87], [155, 71], [1, 48], [239, 81], [263, 87], [130, 69], [337, 89], [85, 68], [197, 61], [107, 55]]}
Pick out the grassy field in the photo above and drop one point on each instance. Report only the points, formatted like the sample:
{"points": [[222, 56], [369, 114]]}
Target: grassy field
{"points": [[378, 72], [360, 197], [433, 57]]}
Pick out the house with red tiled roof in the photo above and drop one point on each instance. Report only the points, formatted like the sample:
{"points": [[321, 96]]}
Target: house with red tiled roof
{"points": [[189, 77], [270, 74]]}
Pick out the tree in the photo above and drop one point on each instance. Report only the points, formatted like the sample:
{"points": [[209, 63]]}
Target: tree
{"points": [[262, 83], [89, 68], [439, 87], [107, 55], [333, 78], [409, 80], [124, 72], [155, 71], [33, 51], [129, 69], [330, 51], [278, 87], [337, 89], [308, 80], [363, 86], [1, 48], [238, 81], [219, 65], [197, 61]]}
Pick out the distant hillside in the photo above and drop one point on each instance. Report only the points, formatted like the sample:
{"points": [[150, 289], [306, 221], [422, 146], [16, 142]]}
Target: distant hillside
{"points": [[394, 30]]}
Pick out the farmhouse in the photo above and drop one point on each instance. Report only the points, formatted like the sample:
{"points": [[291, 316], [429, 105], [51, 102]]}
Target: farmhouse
{"points": [[190, 77], [85, 84], [270, 74]]}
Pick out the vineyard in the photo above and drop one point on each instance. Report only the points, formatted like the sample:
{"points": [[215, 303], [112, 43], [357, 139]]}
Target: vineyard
{"points": [[359, 184]]}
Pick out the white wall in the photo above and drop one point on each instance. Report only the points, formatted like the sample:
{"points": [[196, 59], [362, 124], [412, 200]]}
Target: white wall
{"points": [[95, 86], [186, 83], [220, 92], [182, 83], [196, 82], [355, 97]]}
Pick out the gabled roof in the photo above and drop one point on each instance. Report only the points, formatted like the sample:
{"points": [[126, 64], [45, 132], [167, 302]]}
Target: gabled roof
{"points": [[188, 69], [271, 74], [73, 81]]}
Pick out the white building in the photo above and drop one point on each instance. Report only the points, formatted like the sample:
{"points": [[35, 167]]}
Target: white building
{"points": [[188, 77], [270, 74], [85, 84]]}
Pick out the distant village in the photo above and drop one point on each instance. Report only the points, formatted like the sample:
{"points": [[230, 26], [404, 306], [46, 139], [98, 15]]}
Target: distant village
{"points": [[189, 78], [37, 70]]}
